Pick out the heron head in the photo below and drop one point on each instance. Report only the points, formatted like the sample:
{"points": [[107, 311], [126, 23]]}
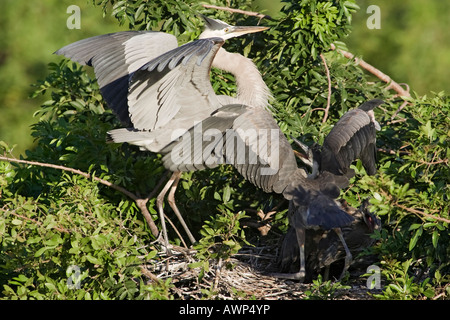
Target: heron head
{"points": [[368, 106], [218, 28], [372, 222]]}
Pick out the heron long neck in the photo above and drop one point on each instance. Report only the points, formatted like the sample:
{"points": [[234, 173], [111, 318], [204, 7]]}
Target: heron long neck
{"points": [[251, 88]]}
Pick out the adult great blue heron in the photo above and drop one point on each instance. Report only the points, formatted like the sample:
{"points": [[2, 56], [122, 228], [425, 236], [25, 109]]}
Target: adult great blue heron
{"points": [[158, 89]]}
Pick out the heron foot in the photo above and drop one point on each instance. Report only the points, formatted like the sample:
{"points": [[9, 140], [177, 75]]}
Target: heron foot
{"points": [[165, 245]]}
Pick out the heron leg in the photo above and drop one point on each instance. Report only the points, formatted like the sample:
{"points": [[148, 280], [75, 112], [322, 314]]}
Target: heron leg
{"points": [[173, 205], [348, 254], [300, 232], [159, 204], [300, 275], [326, 274]]}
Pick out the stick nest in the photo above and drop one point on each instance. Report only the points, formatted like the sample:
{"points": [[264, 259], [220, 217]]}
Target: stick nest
{"points": [[244, 276]]}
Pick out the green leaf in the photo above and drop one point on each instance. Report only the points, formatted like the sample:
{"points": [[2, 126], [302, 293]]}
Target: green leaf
{"points": [[50, 286], [415, 226], [17, 222], [435, 238], [226, 194], [351, 5], [416, 237], [93, 259], [377, 196], [229, 243], [40, 251]]}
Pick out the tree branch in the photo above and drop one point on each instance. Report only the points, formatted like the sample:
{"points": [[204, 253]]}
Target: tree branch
{"points": [[141, 203], [247, 13], [404, 104], [13, 212], [421, 213], [325, 116], [380, 75]]}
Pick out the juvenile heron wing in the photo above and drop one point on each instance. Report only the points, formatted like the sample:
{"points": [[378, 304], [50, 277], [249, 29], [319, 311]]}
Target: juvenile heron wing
{"points": [[353, 137], [114, 57]]}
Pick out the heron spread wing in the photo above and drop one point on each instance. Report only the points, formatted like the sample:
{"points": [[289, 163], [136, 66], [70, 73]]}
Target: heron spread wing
{"points": [[114, 57], [202, 146], [259, 150], [270, 162], [169, 95], [245, 137], [174, 85]]}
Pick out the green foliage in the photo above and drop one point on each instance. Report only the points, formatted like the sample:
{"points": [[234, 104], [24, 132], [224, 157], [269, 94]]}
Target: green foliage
{"points": [[42, 243], [175, 15], [324, 290], [52, 220], [221, 238], [295, 73], [402, 286], [411, 194]]}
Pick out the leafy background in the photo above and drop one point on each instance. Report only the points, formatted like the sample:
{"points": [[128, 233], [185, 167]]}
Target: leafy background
{"points": [[53, 219]]}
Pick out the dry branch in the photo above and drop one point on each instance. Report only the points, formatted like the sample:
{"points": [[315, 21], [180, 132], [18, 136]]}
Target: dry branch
{"points": [[247, 13], [325, 116], [141, 203], [380, 75]]}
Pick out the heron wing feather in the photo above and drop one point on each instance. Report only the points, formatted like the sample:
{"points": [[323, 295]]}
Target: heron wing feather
{"points": [[260, 151], [114, 56], [172, 84], [202, 145], [347, 141]]}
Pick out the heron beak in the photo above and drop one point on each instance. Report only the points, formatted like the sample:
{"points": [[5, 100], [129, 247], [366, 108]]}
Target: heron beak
{"points": [[241, 30]]}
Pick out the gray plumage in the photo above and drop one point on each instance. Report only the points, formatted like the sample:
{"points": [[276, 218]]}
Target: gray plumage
{"points": [[323, 248], [160, 91], [352, 137], [163, 93], [254, 144], [114, 57]]}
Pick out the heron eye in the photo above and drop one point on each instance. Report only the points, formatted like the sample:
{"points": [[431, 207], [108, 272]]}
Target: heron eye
{"points": [[226, 29]]}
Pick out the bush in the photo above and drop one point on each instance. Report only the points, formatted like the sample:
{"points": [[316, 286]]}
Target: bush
{"points": [[61, 227]]}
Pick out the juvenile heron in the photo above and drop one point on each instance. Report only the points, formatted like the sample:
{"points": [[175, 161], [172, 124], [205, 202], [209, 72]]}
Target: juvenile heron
{"points": [[158, 89], [352, 137], [324, 247]]}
